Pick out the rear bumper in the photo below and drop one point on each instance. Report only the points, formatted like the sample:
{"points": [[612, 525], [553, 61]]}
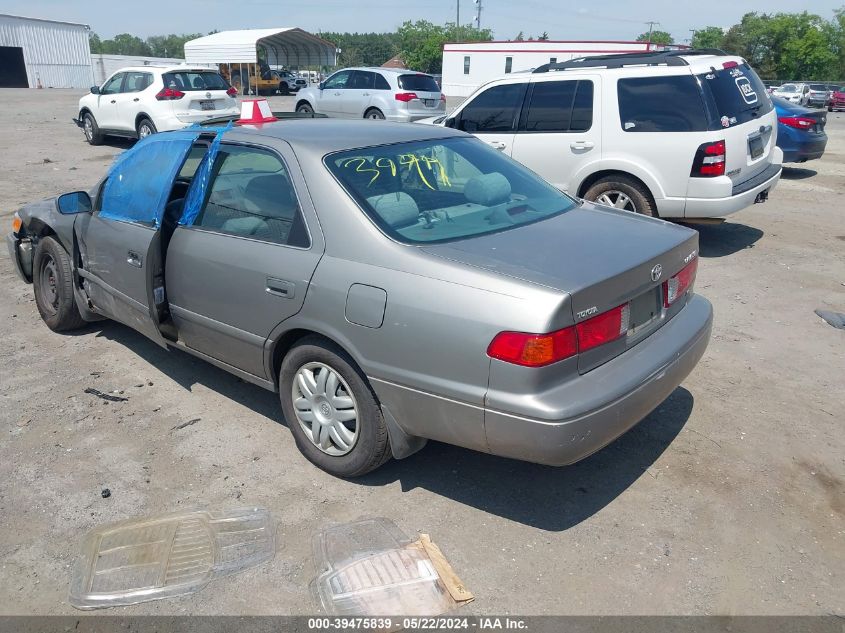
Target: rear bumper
{"points": [[179, 121], [20, 253], [743, 194], [655, 368], [409, 117], [800, 152]]}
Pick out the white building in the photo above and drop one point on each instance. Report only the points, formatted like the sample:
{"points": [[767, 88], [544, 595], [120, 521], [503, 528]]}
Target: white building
{"points": [[104, 66], [469, 65], [37, 53]]}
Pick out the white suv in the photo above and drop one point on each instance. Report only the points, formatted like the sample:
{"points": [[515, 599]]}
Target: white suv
{"points": [[679, 134], [140, 101], [375, 93]]}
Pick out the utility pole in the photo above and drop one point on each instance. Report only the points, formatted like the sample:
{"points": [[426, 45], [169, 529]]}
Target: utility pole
{"points": [[692, 39], [650, 27], [478, 14], [458, 19]]}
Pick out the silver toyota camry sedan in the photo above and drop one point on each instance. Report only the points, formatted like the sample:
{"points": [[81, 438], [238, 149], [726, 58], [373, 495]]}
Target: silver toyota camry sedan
{"points": [[394, 283]]}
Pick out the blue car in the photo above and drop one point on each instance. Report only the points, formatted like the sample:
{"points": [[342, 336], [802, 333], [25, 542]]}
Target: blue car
{"points": [[801, 133]]}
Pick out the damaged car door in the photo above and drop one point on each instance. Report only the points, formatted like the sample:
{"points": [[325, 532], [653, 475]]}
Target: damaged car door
{"points": [[241, 262], [120, 242]]}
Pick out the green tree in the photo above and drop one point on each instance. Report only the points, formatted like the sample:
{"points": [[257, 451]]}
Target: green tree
{"points": [[421, 42], [544, 37], [520, 37], [656, 37], [94, 42], [708, 37]]}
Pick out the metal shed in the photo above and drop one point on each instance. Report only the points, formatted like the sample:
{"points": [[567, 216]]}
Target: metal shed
{"points": [[289, 47], [36, 53]]}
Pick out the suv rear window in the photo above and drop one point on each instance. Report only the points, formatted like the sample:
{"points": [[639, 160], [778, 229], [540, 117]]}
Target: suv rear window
{"points": [[186, 80], [423, 83], [661, 104], [735, 95]]}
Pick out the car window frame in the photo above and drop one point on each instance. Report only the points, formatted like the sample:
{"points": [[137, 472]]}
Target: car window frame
{"points": [[122, 75], [345, 86], [526, 106], [517, 114], [252, 238]]}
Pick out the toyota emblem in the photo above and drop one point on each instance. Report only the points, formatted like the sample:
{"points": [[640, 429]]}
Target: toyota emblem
{"points": [[208, 95], [656, 272]]}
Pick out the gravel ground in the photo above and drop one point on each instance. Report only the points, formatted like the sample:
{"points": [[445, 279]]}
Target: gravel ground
{"points": [[728, 499]]}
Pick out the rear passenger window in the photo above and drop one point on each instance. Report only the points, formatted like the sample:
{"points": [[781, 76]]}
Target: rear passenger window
{"points": [[381, 82], [661, 104], [560, 106], [252, 196], [494, 110]]}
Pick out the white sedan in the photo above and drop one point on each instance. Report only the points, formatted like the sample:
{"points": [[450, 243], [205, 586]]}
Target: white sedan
{"points": [[140, 101]]}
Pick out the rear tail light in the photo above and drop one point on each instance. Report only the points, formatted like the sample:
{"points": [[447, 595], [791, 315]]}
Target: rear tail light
{"points": [[443, 97], [675, 287], [603, 328], [709, 160], [798, 122], [538, 350], [169, 94], [17, 223], [232, 91], [405, 96], [534, 350]]}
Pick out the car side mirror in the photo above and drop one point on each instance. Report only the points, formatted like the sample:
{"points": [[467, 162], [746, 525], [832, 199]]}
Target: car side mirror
{"points": [[74, 202], [321, 85], [95, 90], [450, 122]]}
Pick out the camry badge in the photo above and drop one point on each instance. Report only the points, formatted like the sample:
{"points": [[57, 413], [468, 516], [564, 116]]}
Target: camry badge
{"points": [[656, 272]]}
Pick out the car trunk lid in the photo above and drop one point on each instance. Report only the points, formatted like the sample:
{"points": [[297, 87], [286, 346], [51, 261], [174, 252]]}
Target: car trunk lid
{"points": [[204, 94], [425, 90]]}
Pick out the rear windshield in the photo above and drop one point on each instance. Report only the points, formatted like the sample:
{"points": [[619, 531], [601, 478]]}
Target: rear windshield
{"points": [[423, 83], [735, 95], [190, 80], [788, 88], [818, 87], [444, 190]]}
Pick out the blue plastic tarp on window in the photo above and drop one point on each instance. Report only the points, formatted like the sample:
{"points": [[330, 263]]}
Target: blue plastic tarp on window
{"points": [[140, 180], [201, 181]]}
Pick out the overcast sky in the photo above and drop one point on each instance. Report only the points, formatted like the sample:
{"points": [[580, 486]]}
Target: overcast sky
{"points": [[564, 20]]}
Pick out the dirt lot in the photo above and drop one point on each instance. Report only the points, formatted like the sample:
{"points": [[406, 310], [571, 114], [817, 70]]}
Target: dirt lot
{"points": [[728, 499]]}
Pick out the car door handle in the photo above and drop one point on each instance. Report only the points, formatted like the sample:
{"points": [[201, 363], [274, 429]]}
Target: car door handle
{"points": [[366, 94], [497, 145], [134, 259], [280, 287], [582, 145], [136, 99], [113, 101]]}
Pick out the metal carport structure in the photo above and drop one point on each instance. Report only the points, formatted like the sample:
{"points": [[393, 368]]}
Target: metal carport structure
{"points": [[290, 47]]}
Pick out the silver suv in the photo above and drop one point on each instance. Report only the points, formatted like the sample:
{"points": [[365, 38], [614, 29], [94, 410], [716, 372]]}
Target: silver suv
{"points": [[375, 93]]}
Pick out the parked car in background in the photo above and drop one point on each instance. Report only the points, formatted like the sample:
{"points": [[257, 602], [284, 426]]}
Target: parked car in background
{"points": [[801, 133], [771, 85], [374, 93], [794, 92], [837, 99], [140, 101], [679, 134], [289, 82], [393, 283], [818, 96]]}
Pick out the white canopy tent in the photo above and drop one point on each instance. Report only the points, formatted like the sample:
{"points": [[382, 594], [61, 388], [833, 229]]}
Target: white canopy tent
{"points": [[289, 47]]}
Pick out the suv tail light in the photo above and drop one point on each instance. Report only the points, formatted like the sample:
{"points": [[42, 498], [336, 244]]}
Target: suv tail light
{"points": [[443, 97], [232, 91], [405, 96], [709, 160], [675, 287], [798, 122], [169, 94]]}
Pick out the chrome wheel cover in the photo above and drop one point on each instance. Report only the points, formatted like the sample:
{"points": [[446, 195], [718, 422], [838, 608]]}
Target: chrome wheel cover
{"points": [[325, 408], [617, 199]]}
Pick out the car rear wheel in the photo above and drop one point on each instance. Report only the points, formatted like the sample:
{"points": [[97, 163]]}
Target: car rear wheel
{"points": [[91, 129], [304, 108], [622, 192], [331, 410], [52, 281], [375, 114], [284, 88], [145, 128]]}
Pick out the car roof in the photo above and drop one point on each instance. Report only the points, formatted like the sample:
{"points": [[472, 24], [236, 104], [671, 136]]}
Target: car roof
{"points": [[395, 71], [324, 136], [165, 69]]}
